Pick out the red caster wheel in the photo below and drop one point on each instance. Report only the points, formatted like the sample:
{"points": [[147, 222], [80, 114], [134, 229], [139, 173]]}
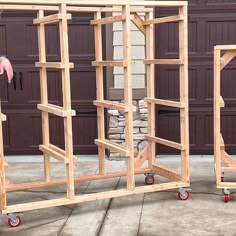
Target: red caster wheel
{"points": [[222, 179], [14, 223], [226, 198], [149, 180], [183, 197]]}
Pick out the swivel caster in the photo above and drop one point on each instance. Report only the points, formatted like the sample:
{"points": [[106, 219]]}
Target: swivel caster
{"points": [[226, 196], [183, 193], [149, 179], [14, 219]]}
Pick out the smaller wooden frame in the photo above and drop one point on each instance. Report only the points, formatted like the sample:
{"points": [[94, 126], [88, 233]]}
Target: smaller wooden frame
{"points": [[224, 163]]}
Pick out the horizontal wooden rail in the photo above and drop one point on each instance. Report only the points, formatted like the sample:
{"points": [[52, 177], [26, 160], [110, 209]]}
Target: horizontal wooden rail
{"points": [[78, 179], [69, 8], [230, 169], [164, 61], [121, 149], [94, 3], [166, 19], [227, 185], [61, 151], [225, 47], [93, 196], [51, 19], [166, 142], [111, 105], [56, 110], [56, 65], [57, 149], [111, 63], [27, 7], [53, 154], [107, 9], [107, 20], [165, 102]]}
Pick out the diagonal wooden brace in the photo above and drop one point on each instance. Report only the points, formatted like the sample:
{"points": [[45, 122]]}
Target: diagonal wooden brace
{"points": [[138, 21], [227, 159], [142, 157], [226, 58]]}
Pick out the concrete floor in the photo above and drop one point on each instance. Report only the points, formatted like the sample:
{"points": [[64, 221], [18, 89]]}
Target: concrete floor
{"points": [[150, 214]]}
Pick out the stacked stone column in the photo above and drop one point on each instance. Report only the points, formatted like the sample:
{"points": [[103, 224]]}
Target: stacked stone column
{"points": [[116, 132]]}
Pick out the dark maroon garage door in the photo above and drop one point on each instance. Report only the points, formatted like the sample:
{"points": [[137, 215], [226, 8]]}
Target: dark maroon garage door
{"points": [[211, 22], [18, 40]]}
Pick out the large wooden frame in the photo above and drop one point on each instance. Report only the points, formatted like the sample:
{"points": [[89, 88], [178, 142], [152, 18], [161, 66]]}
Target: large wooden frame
{"points": [[223, 162], [128, 12]]}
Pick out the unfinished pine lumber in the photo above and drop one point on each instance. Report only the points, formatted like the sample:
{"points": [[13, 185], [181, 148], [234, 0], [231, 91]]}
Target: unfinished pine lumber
{"points": [[128, 12], [224, 163]]}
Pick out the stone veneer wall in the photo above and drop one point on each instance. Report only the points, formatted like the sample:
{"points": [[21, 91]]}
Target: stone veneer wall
{"points": [[116, 132]]}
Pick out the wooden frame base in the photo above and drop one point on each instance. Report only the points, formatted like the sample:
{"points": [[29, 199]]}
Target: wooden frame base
{"points": [[93, 197], [129, 12]]}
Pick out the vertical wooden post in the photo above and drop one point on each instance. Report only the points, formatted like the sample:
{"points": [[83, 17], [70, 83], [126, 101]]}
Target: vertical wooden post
{"points": [[150, 89], [3, 199], [67, 101], [128, 96], [100, 93], [217, 115], [44, 95], [183, 72]]}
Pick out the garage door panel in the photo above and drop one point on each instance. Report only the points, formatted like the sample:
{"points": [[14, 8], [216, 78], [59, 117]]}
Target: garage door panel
{"points": [[170, 130], [228, 128], [4, 86], [219, 3], [193, 92], [6, 135], [170, 48], [19, 41], [205, 30], [208, 84], [81, 40], [83, 85], [228, 84], [201, 131], [168, 83], [171, 31], [168, 87], [194, 3], [84, 133], [21, 132], [220, 31], [170, 124], [211, 22], [3, 48]]}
